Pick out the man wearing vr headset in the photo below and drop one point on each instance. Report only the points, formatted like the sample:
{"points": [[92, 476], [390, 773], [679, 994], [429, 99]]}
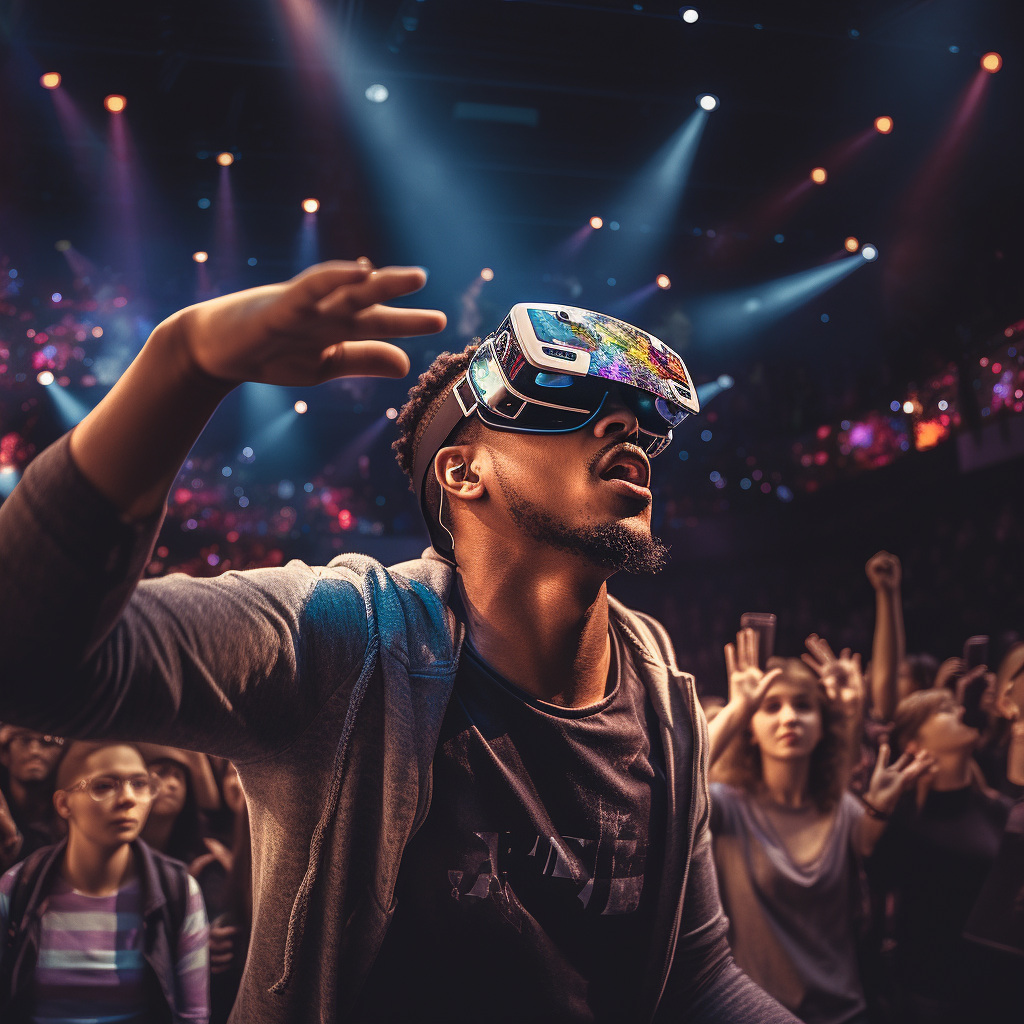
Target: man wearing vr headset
{"points": [[477, 783]]}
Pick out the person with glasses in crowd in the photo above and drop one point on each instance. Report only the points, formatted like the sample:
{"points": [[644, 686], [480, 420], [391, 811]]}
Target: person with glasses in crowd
{"points": [[99, 927], [27, 818], [477, 783]]}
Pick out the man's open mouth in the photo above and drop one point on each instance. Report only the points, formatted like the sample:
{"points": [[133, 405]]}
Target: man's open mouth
{"points": [[626, 462]]}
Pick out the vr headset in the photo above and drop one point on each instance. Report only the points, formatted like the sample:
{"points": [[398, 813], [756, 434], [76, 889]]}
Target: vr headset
{"points": [[549, 370]]}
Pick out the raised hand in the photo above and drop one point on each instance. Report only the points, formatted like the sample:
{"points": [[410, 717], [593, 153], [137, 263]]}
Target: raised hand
{"points": [[884, 571], [747, 682], [948, 671], [888, 781], [10, 837], [321, 324], [841, 677]]}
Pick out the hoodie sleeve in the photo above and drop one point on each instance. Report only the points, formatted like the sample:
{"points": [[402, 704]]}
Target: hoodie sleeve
{"points": [[705, 986], [221, 665]]}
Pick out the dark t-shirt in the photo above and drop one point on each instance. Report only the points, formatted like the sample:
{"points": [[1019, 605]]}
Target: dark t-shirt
{"points": [[935, 861], [529, 891]]}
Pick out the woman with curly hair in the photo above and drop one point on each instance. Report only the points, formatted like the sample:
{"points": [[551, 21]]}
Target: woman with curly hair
{"points": [[788, 836]]}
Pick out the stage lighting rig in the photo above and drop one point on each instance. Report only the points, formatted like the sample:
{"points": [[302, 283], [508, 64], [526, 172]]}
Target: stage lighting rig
{"points": [[992, 62]]}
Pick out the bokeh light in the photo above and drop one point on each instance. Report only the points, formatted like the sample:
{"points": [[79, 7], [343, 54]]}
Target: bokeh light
{"points": [[883, 125], [377, 93], [596, 223], [391, 413], [311, 205], [115, 103], [200, 257], [992, 62], [487, 274], [225, 159], [819, 175], [663, 281], [301, 407], [706, 101], [851, 244], [689, 14], [45, 378], [869, 252], [51, 80], [97, 332]]}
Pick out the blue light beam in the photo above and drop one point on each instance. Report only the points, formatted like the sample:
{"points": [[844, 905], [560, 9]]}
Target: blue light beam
{"points": [[657, 192], [743, 312], [70, 410]]}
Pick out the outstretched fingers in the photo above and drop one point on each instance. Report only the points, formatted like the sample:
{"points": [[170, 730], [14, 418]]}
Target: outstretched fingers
{"points": [[762, 687], [363, 359], [375, 286], [730, 660]]}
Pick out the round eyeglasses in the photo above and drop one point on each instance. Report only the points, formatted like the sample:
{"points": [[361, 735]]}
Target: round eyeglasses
{"points": [[104, 787]]}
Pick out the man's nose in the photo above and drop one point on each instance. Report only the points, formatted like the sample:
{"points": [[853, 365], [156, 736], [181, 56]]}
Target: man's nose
{"points": [[616, 418]]}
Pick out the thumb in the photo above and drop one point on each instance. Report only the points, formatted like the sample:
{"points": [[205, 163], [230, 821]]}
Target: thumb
{"points": [[363, 359]]}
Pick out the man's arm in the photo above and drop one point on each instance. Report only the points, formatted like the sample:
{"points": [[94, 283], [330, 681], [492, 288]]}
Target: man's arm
{"points": [[705, 986], [175, 658]]}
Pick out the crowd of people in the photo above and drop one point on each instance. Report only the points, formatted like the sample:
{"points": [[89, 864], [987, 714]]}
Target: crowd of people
{"points": [[867, 822]]}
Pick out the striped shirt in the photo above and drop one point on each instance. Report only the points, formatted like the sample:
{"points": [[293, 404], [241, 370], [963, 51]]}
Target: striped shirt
{"points": [[90, 968]]}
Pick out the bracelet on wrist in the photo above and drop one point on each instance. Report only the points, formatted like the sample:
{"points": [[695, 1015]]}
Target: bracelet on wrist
{"points": [[873, 811]]}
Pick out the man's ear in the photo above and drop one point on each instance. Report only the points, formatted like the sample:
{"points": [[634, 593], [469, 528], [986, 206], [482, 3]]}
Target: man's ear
{"points": [[458, 472]]}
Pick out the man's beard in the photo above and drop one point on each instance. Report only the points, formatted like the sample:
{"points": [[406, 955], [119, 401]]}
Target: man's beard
{"points": [[608, 545]]}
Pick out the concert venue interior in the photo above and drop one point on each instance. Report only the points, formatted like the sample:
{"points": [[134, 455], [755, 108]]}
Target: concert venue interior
{"points": [[849, 404], [817, 205]]}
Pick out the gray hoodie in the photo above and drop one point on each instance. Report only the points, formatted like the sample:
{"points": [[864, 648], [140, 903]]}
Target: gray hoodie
{"points": [[326, 686]]}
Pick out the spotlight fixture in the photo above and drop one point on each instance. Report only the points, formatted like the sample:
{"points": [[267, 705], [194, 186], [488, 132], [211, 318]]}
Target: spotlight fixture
{"points": [[851, 244], [301, 407], [869, 252], [377, 93], [992, 62], [391, 413], [707, 101], [883, 125], [45, 378], [689, 14], [51, 80], [225, 159], [487, 274], [663, 282], [819, 175], [596, 222], [200, 257], [311, 205], [115, 103]]}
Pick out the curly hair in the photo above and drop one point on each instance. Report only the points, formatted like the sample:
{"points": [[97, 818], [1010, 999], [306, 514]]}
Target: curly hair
{"points": [[740, 763], [425, 398]]}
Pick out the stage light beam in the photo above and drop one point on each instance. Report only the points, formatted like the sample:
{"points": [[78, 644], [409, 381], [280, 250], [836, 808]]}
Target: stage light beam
{"points": [[883, 125], [115, 103], [992, 62], [869, 252], [51, 80]]}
